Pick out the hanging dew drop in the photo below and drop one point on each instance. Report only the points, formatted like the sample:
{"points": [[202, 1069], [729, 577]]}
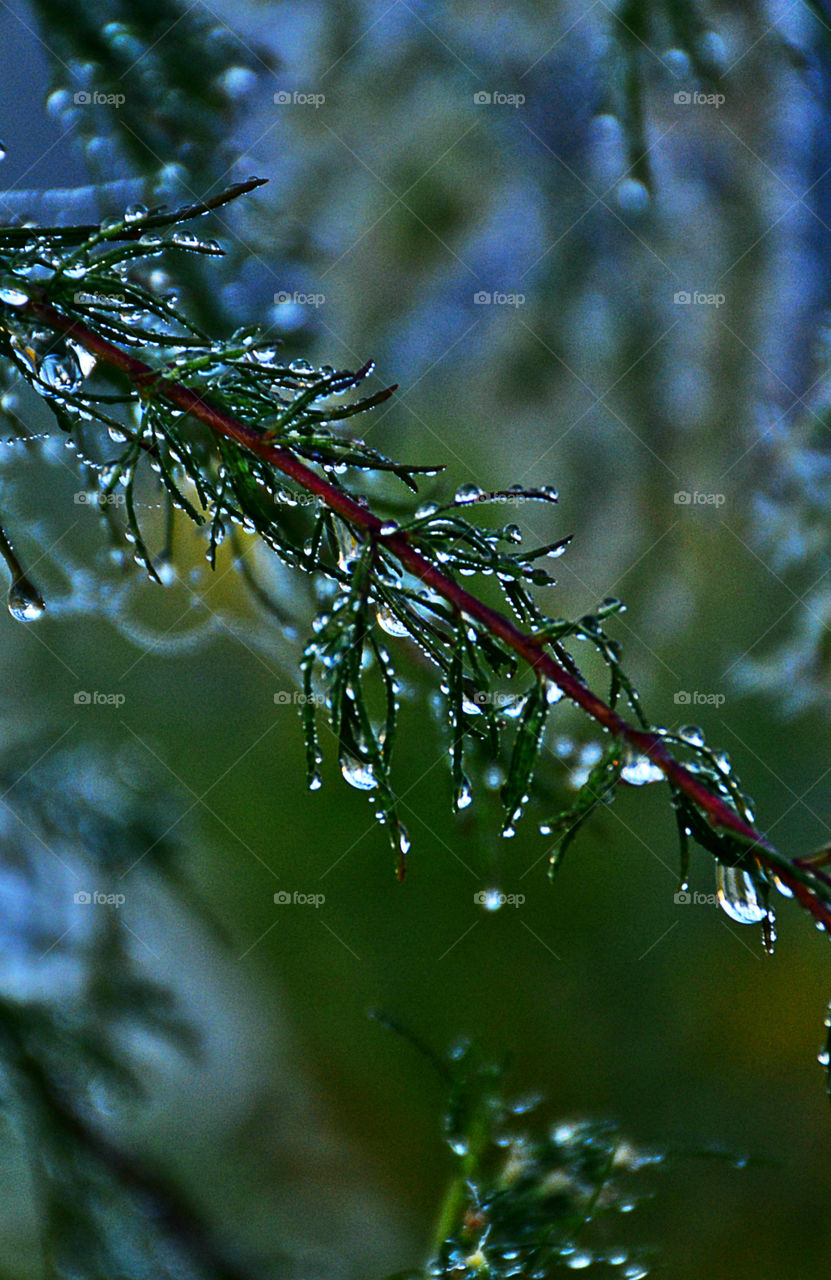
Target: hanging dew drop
{"points": [[738, 895], [632, 196], [641, 771], [315, 782], [358, 774], [782, 887], [25, 601], [468, 493], [388, 622], [465, 796], [11, 293]]}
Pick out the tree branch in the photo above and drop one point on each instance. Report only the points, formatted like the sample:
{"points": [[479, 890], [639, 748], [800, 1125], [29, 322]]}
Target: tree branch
{"points": [[148, 382]]}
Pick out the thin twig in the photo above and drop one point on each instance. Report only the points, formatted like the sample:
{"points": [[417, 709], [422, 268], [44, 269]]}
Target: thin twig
{"points": [[148, 382]]}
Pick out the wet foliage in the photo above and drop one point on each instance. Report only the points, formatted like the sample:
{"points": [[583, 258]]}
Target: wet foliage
{"points": [[216, 430], [523, 1199]]}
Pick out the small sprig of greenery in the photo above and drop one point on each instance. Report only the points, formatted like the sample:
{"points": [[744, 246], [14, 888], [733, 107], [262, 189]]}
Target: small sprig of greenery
{"points": [[232, 436], [526, 1203]]}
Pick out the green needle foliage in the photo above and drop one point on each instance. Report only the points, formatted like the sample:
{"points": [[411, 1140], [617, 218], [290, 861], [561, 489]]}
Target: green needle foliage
{"points": [[230, 436], [527, 1203]]}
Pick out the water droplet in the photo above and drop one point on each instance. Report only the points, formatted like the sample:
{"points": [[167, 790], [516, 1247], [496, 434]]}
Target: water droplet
{"points": [[579, 1261], [388, 622], [738, 895], [553, 693], [184, 239], [25, 601], [2, 151], [465, 795], [468, 493], [641, 771], [237, 81], [358, 774], [11, 293], [491, 899], [388, 527], [678, 62], [348, 547], [692, 734], [632, 196], [458, 1145], [782, 887], [135, 212]]}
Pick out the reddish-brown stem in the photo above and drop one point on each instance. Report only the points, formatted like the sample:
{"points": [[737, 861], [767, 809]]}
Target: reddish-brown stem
{"points": [[526, 646]]}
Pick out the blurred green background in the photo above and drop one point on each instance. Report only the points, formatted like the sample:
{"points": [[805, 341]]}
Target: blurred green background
{"points": [[399, 198]]}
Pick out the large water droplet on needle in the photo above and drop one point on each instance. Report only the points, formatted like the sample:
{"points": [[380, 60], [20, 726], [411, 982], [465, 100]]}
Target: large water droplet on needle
{"points": [[738, 895], [25, 601], [358, 774]]}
